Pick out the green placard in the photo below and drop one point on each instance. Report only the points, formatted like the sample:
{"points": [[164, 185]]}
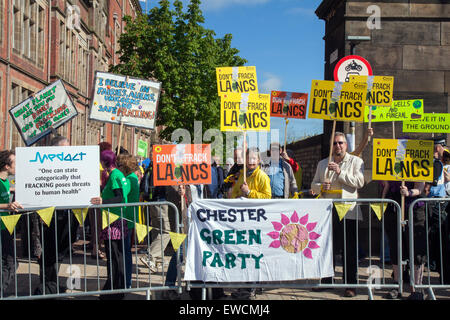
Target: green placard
{"points": [[142, 149], [401, 110], [430, 122]]}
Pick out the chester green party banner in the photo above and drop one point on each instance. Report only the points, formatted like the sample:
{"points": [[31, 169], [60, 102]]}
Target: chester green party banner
{"points": [[237, 240]]}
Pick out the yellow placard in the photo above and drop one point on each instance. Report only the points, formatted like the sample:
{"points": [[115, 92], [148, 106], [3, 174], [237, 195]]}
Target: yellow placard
{"points": [[350, 100], [430, 122], [236, 80], [400, 110], [402, 160], [380, 89], [245, 112]]}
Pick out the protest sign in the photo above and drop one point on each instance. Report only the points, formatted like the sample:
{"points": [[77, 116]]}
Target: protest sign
{"points": [[236, 80], [245, 112], [400, 110], [288, 104], [430, 122], [57, 176], [142, 148], [380, 89], [346, 104], [120, 99], [176, 164], [49, 108], [402, 160], [238, 240]]}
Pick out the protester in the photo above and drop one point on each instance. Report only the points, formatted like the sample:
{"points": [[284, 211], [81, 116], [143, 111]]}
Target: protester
{"points": [[289, 157], [7, 167], [282, 180], [233, 173], [128, 165], [116, 232], [256, 186], [95, 217], [216, 188], [412, 191], [63, 227], [159, 216], [437, 212], [341, 177]]}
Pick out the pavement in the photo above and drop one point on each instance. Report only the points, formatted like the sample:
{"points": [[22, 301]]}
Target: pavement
{"points": [[92, 277]]}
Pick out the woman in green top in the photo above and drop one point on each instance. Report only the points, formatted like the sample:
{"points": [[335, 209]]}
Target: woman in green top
{"points": [[113, 192], [128, 164]]}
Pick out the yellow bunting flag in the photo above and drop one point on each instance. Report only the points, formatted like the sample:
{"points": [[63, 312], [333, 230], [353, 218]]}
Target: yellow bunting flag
{"points": [[142, 231], [80, 214], [177, 239], [112, 217], [11, 221], [342, 209], [379, 209], [46, 215]]}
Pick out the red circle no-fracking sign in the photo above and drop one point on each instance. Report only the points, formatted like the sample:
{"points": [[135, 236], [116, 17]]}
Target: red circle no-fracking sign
{"points": [[351, 65]]}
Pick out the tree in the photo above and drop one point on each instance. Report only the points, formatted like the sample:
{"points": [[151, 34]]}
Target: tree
{"points": [[172, 46]]}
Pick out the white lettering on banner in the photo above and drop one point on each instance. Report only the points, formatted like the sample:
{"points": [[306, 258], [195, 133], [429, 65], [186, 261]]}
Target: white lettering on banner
{"points": [[244, 240]]}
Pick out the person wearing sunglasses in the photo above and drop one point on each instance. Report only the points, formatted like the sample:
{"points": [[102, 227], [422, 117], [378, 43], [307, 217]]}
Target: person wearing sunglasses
{"points": [[340, 178]]}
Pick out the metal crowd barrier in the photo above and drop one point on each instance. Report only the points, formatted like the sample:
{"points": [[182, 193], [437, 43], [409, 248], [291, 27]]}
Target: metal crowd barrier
{"points": [[436, 220], [80, 281], [378, 264]]}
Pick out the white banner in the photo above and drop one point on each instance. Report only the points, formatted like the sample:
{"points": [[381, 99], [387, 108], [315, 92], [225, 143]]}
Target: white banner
{"points": [[49, 108], [243, 240], [129, 100], [57, 176]]}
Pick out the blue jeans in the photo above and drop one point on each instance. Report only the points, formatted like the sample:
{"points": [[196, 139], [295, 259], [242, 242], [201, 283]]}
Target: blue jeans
{"points": [[171, 276]]}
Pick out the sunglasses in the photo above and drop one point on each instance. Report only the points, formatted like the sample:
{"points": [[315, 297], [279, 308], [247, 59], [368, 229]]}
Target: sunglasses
{"points": [[340, 143]]}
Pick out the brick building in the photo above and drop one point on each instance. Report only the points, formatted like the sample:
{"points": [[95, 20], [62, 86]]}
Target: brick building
{"points": [[412, 45], [42, 41]]}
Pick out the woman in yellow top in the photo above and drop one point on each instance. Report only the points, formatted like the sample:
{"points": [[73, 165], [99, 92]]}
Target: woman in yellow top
{"points": [[257, 185]]}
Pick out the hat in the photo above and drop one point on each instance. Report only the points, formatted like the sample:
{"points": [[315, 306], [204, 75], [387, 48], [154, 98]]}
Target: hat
{"points": [[440, 140]]}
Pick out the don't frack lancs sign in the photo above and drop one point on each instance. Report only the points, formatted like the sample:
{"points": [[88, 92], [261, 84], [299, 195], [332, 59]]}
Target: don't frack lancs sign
{"points": [[402, 160], [180, 164], [120, 99], [245, 112], [57, 176], [236, 80], [343, 101], [45, 110]]}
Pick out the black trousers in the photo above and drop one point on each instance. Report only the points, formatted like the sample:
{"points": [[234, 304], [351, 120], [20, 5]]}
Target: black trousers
{"points": [[345, 227], [115, 270], [8, 268], [439, 238], [58, 239]]}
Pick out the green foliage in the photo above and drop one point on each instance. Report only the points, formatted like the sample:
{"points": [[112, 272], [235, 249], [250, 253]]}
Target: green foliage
{"points": [[171, 46]]}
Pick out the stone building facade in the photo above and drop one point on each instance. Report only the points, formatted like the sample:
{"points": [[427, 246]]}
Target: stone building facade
{"points": [[42, 41], [412, 44]]}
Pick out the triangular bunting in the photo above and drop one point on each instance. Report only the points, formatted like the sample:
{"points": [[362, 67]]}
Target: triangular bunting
{"points": [[80, 214], [112, 217], [46, 215], [11, 221], [177, 239], [379, 209], [342, 209], [142, 231]]}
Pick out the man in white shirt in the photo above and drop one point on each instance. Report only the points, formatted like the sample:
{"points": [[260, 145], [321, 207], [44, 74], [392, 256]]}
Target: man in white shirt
{"points": [[340, 178]]}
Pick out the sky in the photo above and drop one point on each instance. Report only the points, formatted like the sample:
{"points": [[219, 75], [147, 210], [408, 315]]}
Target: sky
{"points": [[283, 39]]}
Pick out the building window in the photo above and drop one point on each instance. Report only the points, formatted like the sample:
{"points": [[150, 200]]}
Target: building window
{"points": [[41, 37], [17, 26], [18, 94], [62, 48]]}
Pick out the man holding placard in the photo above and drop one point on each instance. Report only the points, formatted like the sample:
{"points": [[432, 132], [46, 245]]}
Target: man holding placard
{"points": [[341, 178]]}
